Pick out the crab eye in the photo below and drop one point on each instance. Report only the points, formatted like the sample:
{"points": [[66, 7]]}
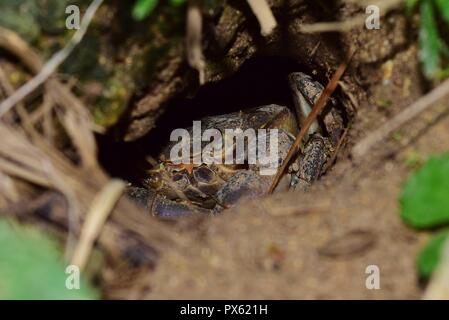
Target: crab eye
{"points": [[203, 174], [178, 177], [181, 181]]}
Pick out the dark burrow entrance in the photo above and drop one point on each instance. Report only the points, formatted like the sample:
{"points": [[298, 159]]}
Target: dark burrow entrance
{"points": [[260, 81]]}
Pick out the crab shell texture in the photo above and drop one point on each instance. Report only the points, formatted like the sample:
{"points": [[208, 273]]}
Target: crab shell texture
{"points": [[205, 184]]}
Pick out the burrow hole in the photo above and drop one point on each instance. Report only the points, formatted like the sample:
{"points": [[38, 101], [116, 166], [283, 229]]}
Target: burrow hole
{"points": [[259, 81]]}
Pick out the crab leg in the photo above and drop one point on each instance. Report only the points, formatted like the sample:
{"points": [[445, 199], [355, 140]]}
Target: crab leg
{"points": [[316, 148], [160, 206], [311, 163], [303, 88]]}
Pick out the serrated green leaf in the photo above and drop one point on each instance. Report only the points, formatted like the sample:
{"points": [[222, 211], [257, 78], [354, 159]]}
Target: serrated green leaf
{"points": [[143, 8], [429, 256], [425, 195], [429, 40], [31, 266], [443, 8]]}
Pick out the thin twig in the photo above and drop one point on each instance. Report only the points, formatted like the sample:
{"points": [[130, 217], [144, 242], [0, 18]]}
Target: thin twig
{"points": [[264, 15], [319, 105], [399, 120], [357, 21], [56, 60], [194, 38]]}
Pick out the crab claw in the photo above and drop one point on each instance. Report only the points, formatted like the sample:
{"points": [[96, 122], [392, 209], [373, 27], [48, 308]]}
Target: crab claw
{"points": [[159, 206], [305, 92]]}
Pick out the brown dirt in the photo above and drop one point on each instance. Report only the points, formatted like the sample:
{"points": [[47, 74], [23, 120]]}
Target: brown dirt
{"points": [[313, 245], [318, 245]]}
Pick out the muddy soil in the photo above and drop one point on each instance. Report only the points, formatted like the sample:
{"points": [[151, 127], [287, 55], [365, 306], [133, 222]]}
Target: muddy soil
{"points": [[317, 245]]}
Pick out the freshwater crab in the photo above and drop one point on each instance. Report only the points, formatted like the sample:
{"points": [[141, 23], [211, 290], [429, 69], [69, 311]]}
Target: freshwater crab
{"points": [[173, 190]]}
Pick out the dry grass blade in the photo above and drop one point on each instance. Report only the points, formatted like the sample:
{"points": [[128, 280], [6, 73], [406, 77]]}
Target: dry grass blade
{"points": [[62, 96], [42, 111], [8, 191], [78, 129], [319, 105], [12, 42], [19, 158], [50, 67], [21, 110], [422, 104], [43, 164], [56, 92], [96, 217]]}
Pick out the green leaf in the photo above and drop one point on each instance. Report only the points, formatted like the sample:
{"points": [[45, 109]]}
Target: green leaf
{"points": [[22, 22], [143, 8], [429, 40], [31, 266], [429, 256], [410, 5], [442, 74], [177, 2], [425, 195], [443, 7]]}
